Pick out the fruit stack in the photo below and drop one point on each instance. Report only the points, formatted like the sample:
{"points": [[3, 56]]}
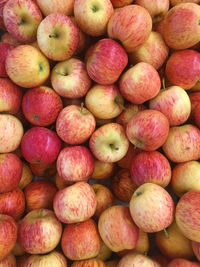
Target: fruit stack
{"points": [[100, 133]]}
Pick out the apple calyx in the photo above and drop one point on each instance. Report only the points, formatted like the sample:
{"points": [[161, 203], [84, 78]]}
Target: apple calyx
{"points": [[166, 233], [53, 35], [138, 193], [158, 17], [95, 9], [114, 147], [138, 143]]}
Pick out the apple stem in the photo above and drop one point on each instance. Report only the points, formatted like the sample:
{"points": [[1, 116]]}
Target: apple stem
{"points": [[53, 35], [166, 233], [163, 83], [82, 105], [113, 147], [60, 72]]}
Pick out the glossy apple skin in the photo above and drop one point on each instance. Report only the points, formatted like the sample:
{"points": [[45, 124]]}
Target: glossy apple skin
{"points": [[75, 163], [39, 231], [183, 68], [4, 50], [103, 170], [131, 25], [10, 171], [106, 61], [13, 203], [26, 66], [140, 83], [81, 241], [75, 203], [9, 260], [179, 34], [148, 129], [89, 263], [57, 37], [53, 6], [182, 262], [40, 145], [150, 167], [182, 143], [41, 105], [145, 211], [117, 229]]}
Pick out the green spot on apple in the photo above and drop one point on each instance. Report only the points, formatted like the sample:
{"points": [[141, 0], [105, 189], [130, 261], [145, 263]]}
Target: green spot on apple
{"points": [[95, 9]]}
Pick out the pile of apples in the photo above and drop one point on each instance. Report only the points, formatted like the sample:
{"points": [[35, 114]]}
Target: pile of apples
{"points": [[99, 133]]}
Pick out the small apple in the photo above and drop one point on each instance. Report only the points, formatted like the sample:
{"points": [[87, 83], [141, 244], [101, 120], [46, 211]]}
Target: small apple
{"points": [[43, 169], [126, 161], [103, 170], [26, 177], [54, 6]]}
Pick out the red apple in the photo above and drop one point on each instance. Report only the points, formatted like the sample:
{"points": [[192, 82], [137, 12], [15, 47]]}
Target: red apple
{"points": [[40, 145], [51, 6], [104, 253], [148, 129], [103, 170], [4, 50], [26, 177], [182, 262], [131, 25], [89, 263], [8, 261], [10, 171], [121, 3], [196, 115], [39, 231], [41, 105], [176, 2], [7, 38], [2, 4], [43, 169], [60, 182], [160, 259], [126, 161], [75, 203], [196, 249], [195, 100]]}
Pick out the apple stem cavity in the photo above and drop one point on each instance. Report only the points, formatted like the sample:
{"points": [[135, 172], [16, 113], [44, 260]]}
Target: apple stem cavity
{"points": [[138, 193], [114, 147], [95, 9], [166, 233], [118, 100], [53, 35], [60, 72]]}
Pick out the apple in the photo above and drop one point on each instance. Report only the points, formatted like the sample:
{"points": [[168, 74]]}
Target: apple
{"points": [[103, 170], [54, 258], [123, 186], [40, 194], [89, 263], [40, 145], [70, 79], [196, 115], [143, 243], [160, 259], [182, 143], [117, 229], [92, 17], [4, 50], [60, 182], [140, 83], [126, 161], [148, 129], [57, 36], [9, 260], [174, 103], [150, 167], [179, 34], [181, 74], [75, 163], [173, 244], [195, 100], [22, 259], [106, 61], [2, 4], [145, 208], [13, 203], [182, 262], [10, 171], [26, 176], [54, 6], [109, 142], [81, 240], [75, 203], [7, 38], [176, 2], [185, 177], [196, 249], [21, 19], [187, 215], [104, 198], [43, 169], [75, 124], [111, 263], [104, 253], [39, 231], [131, 25], [120, 3], [41, 105], [104, 101], [26, 66]]}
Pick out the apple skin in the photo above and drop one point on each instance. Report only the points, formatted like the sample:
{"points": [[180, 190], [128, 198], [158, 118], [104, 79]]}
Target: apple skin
{"points": [[75, 163], [187, 216], [26, 177], [92, 17], [10, 172], [21, 19], [89, 263], [148, 129], [176, 2], [4, 50], [150, 167], [103, 170], [22, 259], [81, 241], [145, 211], [174, 103], [57, 37], [104, 253], [44, 170], [2, 4], [117, 229], [75, 203], [106, 61], [140, 83], [13, 203], [179, 34], [183, 68], [70, 79], [8, 261], [54, 258], [60, 182], [185, 177], [196, 115], [158, 257], [174, 244], [39, 231], [126, 161], [26, 66], [182, 143], [40, 145], [120, 3], [104, 198], [109, 142], [40, 194], [196, 249], [54, 6], [123, 186], [131, 25], [182, 262], [104, 101], [8, 235], [7, 38], [41, 105], [75, 124], [195, 100]]}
